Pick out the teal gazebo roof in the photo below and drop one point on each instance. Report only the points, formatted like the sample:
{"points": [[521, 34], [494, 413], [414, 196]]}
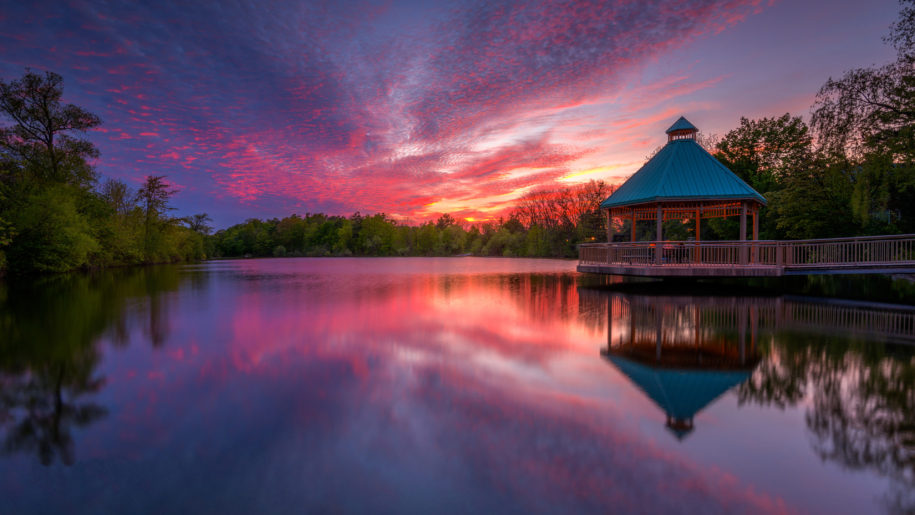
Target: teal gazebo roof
{"points": [[681, 393], [682, 171], [681, 125]]}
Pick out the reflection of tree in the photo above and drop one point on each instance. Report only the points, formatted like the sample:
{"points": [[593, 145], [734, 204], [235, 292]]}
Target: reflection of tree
{"points": [[44, 405], [49, 352], [774, 383], [862, 402]]}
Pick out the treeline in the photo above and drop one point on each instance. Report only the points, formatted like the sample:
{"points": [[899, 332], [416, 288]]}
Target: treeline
{"points": [[545, 223], [54, 215]]}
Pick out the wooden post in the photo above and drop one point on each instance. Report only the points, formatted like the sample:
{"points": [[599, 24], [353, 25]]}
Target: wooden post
{"points": [[632, 212], [609, 228], [743, 221], [753, 256], [698, 230], [659, 236], [756, 224], [743, 232]]}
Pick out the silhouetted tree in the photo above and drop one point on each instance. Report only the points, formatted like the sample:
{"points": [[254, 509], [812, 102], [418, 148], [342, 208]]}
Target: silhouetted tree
{"points": [[41, 136], [199, 223]]}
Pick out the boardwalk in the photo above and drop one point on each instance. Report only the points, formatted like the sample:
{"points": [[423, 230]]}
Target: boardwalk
{"points": [[864, 255]]}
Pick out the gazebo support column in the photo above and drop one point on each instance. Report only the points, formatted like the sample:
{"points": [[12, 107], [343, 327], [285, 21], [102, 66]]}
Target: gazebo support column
{"points": [[743, 232], [756, 224], [659, 236], [698, 235], [754, 256], [609, 228], [743, 221], [632, 212]]}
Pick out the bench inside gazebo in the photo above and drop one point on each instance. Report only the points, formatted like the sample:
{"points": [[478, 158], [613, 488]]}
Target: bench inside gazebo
{"points": [[684, 182]]}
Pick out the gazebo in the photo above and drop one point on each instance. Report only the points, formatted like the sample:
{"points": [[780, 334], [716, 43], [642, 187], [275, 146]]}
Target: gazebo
{"points": [[683, 181]]}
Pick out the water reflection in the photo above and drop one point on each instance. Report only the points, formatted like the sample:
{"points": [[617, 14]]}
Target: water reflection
{"points": [[683, 352], [49, 351], [442, 385], [860, 401], [850, 366]]}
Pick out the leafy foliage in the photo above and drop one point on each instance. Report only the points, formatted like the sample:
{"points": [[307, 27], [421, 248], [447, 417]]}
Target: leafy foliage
{"points": [[52, 217]]}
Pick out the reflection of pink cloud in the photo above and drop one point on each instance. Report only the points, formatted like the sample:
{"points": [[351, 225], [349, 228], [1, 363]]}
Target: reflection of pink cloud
{"points": [[498, 401]]}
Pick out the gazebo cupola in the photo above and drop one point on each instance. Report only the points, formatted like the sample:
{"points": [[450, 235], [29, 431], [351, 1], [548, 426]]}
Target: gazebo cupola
{"points": [[682, 129], [682, 181]]}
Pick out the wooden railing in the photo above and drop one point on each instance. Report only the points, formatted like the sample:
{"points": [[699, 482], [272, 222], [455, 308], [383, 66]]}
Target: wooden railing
{"points": [[863, 252]]}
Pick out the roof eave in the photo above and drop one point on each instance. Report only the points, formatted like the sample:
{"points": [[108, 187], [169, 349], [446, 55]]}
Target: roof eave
{"points": [[638, 202]]}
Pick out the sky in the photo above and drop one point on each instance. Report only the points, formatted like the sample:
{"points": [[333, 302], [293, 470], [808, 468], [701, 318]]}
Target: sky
{"points": [[416, 108]]}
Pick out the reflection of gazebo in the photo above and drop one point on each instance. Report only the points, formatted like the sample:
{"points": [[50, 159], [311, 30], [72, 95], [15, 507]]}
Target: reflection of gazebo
{"points": [[683, 181], [682, 352], [680, 393]]}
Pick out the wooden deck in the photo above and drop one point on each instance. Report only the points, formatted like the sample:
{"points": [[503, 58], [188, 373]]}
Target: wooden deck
{"points": [[864, 255]]}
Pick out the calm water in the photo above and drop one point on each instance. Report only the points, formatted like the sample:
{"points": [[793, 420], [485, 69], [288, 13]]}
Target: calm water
{"points": [[445, 385]]}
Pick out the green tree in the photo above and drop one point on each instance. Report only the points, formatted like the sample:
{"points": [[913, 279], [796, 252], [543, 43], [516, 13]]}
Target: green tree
{"points": [[199, 223], [42, 135], [815, 202], [153, 198], [118, 196], [764, 153], [53, 235], [444, 222]]}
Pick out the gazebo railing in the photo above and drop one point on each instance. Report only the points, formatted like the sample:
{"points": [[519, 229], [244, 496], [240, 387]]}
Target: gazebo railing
{"points": [[795, 254]]}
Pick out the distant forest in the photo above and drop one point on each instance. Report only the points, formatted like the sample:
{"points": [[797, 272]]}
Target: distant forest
{"points": [[849, 171]]}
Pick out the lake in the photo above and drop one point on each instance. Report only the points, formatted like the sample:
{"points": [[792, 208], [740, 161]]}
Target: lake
{"points": [[434, 385]]}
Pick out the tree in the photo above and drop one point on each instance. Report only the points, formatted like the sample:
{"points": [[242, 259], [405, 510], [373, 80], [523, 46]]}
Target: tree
{"points": [[815, 202], [868, 109], [444, 222], [872, 109], [865, 125], [53, 236], [41, 137], [153, 198], [51, 218], [902, 32], [765, 150], [118, 195], [199, 223]]}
